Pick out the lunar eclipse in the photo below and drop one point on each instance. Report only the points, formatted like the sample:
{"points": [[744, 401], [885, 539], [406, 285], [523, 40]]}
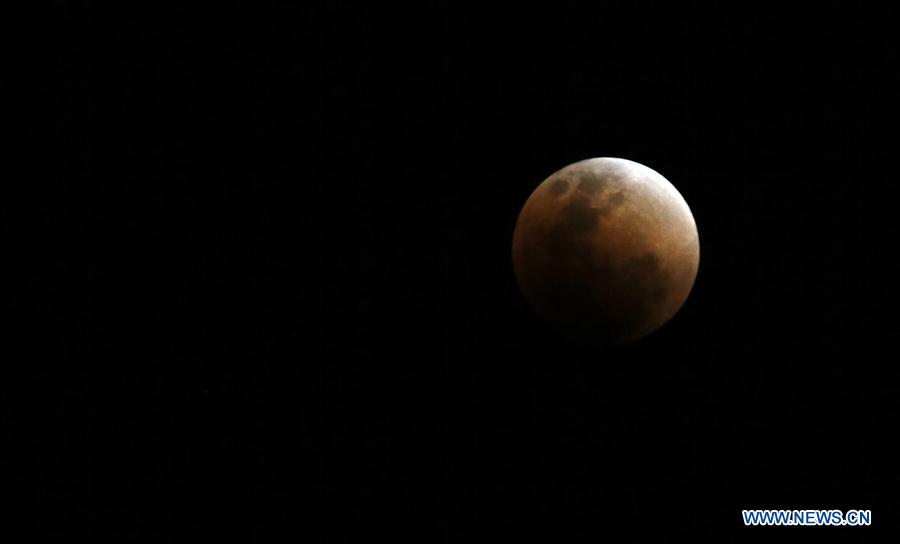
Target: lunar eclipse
{"points": [[606, 250]]}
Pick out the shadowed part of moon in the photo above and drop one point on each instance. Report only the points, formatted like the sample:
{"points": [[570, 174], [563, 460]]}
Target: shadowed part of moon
{"points": [[612, 260]]}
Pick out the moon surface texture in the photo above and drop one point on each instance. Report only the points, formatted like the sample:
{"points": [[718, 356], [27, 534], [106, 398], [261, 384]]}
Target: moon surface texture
{"points": [[606, 250]]}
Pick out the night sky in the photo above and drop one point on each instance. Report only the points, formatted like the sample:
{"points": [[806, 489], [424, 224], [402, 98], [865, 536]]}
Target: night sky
{"points": [[270, 261]]}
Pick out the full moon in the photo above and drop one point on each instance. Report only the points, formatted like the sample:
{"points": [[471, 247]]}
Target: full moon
{"points": [[606, 250]]}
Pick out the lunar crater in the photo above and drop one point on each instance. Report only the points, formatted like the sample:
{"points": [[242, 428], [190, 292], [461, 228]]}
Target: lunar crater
{"points": [[559, 187]]}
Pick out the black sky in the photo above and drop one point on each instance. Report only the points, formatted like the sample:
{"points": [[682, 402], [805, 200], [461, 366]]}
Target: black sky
{"points": [[271, 259]]}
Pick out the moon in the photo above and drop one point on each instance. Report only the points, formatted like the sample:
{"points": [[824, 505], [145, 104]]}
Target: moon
{"points": [[606, 250]]}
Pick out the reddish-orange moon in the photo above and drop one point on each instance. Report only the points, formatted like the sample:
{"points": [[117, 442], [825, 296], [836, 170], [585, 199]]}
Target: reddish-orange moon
{"points": [[606, 250]]}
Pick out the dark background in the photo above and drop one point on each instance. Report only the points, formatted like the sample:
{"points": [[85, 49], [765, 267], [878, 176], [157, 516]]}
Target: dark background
{"points": [[271, 263]]}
